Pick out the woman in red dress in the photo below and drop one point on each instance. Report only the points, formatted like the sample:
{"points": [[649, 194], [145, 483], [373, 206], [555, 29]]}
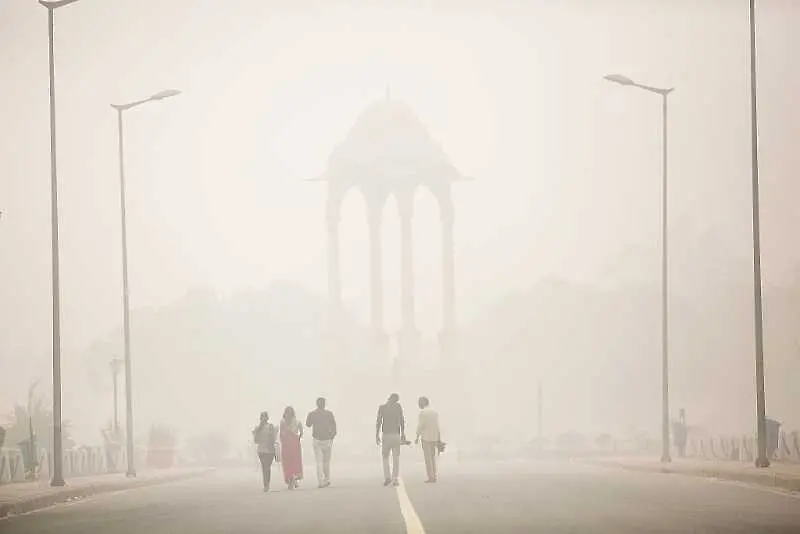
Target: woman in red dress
{"points": [[291, 456]]}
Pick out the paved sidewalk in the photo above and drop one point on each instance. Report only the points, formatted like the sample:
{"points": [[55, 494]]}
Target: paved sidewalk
{"points": [[780, 475], [22, 497]]}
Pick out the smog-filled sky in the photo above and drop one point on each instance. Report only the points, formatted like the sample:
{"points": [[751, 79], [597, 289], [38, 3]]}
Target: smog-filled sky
{"points": [[565, 186]]}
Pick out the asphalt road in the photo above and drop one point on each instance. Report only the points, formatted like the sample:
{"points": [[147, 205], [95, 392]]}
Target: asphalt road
{"points": [[497, 498]]}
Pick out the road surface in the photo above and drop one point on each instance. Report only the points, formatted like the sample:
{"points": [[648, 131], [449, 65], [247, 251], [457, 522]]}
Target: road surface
{"points": [[497, 498]]}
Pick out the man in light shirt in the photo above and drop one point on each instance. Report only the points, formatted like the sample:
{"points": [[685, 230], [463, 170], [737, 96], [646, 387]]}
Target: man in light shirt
{"points": [[428, 432], [323, 425]]}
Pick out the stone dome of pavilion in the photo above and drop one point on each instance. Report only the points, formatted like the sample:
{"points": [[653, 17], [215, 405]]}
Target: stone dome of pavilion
{"points": [[388, 143]]}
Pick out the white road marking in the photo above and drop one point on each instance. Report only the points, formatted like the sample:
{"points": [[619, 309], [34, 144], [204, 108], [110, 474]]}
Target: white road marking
{"points": [[413, 524], [755, 487]]}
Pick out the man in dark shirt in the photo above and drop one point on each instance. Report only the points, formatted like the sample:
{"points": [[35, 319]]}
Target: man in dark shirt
{"points": [[323, 426], [393, 426]]}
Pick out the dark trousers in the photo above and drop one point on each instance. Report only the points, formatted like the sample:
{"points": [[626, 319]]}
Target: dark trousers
{"points": [[266, 466]]}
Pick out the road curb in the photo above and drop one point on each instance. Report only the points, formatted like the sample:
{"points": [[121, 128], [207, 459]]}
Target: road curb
{"points": [[37, 502], [763, 478]]}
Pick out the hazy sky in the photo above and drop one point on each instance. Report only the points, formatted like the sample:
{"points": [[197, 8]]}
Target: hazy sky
{"points": [[566, 166]]}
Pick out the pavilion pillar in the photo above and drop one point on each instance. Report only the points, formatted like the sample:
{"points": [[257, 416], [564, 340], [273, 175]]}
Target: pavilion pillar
{"points": [[335, 335], [447, 337], [379, 338], [409, 340]]}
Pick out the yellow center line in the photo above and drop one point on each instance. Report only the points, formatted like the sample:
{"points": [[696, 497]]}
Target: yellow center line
{"points": [[413, 524]]}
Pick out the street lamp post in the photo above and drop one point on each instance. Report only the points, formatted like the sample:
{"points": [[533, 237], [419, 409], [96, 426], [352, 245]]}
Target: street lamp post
{"points": [[58, 471], [131, 470], [539, 418], [116, 365], [622, 80], [762, 459]]}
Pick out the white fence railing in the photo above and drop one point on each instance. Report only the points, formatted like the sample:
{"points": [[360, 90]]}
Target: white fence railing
{"points": [[743, 448], [11, 467], [80, 461]]}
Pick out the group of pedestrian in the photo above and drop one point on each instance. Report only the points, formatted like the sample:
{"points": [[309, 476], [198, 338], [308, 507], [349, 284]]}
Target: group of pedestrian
{"points": [[390, 436], [282, 444]]}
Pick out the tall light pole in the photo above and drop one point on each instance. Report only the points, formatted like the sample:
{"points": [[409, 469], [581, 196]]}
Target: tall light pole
{"points": [[116, 366], [58, 471], [539, 418], [131, 471], [622, 80], [762, 459]]}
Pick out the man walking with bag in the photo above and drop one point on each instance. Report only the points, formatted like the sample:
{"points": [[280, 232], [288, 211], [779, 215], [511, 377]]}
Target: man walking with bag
{"points": [[323, 430], [428, 431]]}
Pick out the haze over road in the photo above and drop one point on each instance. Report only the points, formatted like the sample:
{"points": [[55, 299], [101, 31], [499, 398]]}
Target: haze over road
{"points": [[541, 497]]}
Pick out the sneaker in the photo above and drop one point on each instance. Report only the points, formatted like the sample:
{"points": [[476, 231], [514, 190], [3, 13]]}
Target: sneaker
{"points": [[395, 483], [387, 482], [327, 484]]}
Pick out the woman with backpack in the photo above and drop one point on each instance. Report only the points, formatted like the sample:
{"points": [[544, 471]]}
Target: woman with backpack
{"points": [[265, 436]]}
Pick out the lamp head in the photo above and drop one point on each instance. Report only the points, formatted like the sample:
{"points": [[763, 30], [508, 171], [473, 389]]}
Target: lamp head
{"points": [[55, 4], [619, 78], [165, 94]]}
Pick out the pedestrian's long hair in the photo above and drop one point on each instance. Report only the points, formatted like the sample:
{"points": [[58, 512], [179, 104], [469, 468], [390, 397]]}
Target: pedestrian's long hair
{"points": [[288, 414], [262, 422]]}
